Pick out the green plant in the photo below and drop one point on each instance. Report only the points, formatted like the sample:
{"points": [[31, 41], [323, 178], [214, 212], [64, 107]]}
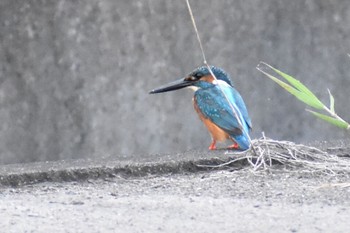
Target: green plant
{"points": [[301, 92]]}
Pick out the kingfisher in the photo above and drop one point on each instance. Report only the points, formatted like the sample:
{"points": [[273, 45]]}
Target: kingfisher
{"points": [[218, 104]]}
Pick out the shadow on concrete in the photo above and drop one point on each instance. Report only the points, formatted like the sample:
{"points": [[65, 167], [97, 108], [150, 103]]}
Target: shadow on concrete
{"points": [[81, 170], [134, 166]]}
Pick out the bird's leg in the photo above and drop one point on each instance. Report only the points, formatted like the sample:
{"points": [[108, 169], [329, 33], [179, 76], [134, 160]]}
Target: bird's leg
{"points": [[234, 146], [212, 145]]}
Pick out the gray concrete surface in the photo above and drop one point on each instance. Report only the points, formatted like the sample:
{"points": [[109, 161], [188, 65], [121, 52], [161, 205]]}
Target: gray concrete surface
{"points": [[85, 169], [170, 193], [75, 75], [219, 201]]}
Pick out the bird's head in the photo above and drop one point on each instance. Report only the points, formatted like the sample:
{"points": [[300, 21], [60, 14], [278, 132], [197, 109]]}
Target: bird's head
{"points": [[198, 78]]}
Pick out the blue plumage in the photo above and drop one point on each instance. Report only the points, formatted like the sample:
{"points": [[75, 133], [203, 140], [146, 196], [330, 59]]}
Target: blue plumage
{"points": [[214, 106], [218, 72]]}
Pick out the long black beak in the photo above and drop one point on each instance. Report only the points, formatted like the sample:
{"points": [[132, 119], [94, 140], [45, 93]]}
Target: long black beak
{"points": [[172, 86]]}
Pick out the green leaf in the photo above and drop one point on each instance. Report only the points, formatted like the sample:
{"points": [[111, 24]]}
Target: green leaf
{"points": [[297, 84], [331, 101], [307, 99], [334, 121]]}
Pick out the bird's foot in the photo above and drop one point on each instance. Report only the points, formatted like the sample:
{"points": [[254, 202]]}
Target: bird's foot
{"points": [[212, 145], [234, 146]]}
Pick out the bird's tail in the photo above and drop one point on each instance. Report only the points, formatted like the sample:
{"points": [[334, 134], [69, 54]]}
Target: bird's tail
{"points": [[243, 141]]}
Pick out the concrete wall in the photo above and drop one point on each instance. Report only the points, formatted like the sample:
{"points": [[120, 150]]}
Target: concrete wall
{"points": [[75, 75]]}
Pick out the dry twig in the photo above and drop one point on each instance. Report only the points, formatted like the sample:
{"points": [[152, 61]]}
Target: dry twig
{"points": [[292, 155]]}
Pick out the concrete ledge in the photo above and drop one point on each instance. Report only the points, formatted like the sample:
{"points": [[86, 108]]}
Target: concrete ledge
{"points": [[131, 166], [80, 170]]}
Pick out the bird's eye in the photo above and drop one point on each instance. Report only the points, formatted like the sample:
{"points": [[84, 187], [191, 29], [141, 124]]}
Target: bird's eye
{"points": [[192, 78]]}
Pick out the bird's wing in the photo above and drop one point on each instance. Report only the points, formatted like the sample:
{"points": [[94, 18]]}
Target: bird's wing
{"points": [[214, 106], [234, 96]]}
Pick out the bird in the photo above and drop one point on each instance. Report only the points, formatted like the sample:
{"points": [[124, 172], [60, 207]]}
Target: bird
{"points": [[218, 104]]}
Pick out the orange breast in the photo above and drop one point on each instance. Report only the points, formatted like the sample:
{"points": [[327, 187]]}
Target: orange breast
{"points": [[216, 133]]}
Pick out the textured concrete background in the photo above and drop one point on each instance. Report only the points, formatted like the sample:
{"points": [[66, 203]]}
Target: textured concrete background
{"points": [[75, 75]]}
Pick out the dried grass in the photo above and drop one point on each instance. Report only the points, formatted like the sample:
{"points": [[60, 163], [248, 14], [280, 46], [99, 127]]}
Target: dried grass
{"points": [[292, 155]]}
